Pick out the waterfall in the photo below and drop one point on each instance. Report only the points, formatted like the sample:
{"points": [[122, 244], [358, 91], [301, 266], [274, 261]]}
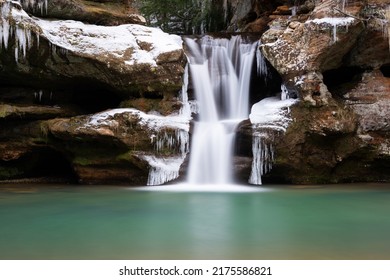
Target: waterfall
{"points": [[220, 70]]}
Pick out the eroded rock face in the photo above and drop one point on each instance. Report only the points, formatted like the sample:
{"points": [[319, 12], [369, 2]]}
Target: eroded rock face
{"points": [[331, 60]]}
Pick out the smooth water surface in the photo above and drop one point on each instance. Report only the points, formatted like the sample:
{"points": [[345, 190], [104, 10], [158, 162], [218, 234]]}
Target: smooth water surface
{"points": [[69, 222]]}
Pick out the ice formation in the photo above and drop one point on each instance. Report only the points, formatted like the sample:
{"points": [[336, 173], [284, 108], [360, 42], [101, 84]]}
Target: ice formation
{"points": [[262, 68], [163, 169], [166, 133], [263, 157], [334, 22], [40, 5], [269, 116], [19, 31]]}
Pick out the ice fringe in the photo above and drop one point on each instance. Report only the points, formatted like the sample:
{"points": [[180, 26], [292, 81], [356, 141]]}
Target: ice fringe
{"points": [[168, 133], [23, 40], [334, 23], [269, 117], [40, 5]]}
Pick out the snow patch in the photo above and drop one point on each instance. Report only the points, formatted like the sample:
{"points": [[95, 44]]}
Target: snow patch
{"points": [[333, 22], [273, 112], [136, 44], [125, 41]]}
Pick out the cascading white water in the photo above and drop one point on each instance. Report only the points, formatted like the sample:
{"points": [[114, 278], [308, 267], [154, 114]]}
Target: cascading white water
{"points": [[220, 70]]}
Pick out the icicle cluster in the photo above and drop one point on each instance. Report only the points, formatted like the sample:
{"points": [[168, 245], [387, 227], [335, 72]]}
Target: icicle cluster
{"points": [[334, 23], [21, 34], [269, 118], [263, 158], [35, 5], [178, 142], [163, 170]]}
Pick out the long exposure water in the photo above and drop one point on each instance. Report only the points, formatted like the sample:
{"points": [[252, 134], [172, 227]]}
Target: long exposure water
{"points": [[69, 222]]}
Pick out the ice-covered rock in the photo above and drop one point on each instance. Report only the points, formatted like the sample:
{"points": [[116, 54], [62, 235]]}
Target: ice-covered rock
{"points": [[129, 59]]}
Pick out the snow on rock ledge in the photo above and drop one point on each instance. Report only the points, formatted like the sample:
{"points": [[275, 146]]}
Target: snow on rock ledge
{"points": [[128, 58], [133, 44], [156, 144], [269, 117]]}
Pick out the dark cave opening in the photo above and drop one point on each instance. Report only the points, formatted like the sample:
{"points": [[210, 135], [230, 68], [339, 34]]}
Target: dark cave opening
{"points": [[385, 69], [341, 80], [85, 98], [44, 164], [263, 86]]}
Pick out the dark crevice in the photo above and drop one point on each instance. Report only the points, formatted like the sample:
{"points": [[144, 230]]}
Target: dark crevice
{"points": [[40, 163], [385, 69], [340, 81], [262, 87], [83, 98]]}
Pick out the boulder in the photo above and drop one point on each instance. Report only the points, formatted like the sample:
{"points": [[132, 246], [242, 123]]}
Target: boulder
{"points": [[123, 145], [338, 67], [128, 60]]}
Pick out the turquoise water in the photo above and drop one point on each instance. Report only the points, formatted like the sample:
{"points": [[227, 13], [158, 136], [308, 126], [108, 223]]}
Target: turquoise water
{"points": [[71, 222]]}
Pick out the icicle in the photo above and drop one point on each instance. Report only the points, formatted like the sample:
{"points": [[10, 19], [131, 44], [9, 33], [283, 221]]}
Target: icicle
{"points": [[6, 31], [263, 158], [16, 54], [284, 94], [185, 109], [262, 69], [166, 141], [334, 33], [294, 11], [37, 40], [40, 95], [39, 5], [1, 36], [20, 37]]}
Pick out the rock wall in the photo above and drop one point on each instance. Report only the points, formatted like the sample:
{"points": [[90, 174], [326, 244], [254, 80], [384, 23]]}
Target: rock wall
{"points": [[336, 59], [63, 84]]}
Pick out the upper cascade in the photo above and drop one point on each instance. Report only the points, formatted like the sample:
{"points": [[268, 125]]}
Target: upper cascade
{"points": [[222, 68]]}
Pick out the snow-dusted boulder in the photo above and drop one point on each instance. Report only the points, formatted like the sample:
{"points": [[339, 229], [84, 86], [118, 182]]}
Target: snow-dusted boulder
{"points": [[151, 147], [131, 60], [302, 50], [336, 59]]}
